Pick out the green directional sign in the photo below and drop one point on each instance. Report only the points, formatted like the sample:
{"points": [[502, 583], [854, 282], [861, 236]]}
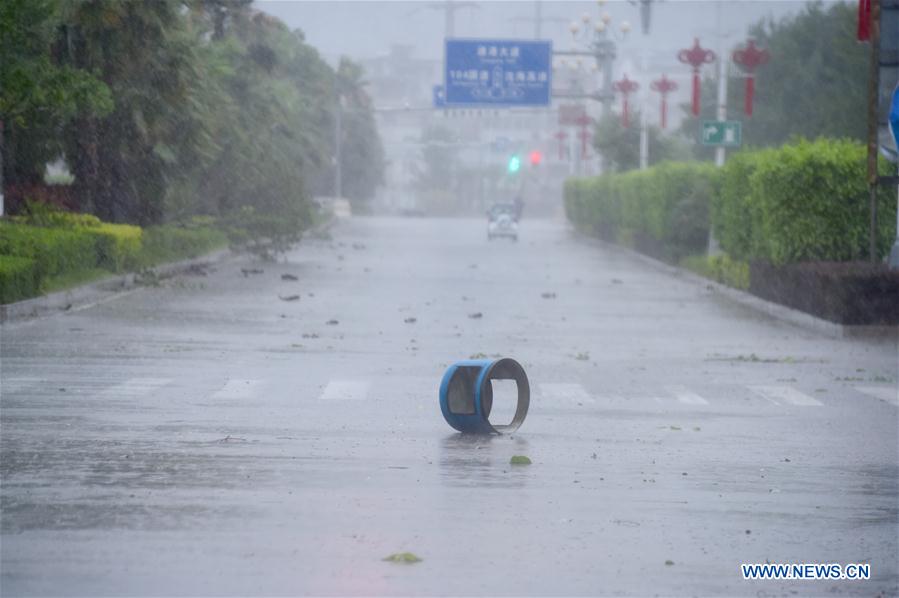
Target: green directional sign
{"points": [[726, 133]]}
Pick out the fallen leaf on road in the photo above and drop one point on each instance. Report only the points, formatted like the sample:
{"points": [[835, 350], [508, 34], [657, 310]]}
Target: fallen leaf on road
{"points": [[248, 271], [410, 320], [478, 356], [476, 315], [358, 246], [289, 298], [669, 562], [519, 460], [582, 356], [310, 335], [289, 277], [332, 322], [617, 281], [406, 558], [548, 295]]}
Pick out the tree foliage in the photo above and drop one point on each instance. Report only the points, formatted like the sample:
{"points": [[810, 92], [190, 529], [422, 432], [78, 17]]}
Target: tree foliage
{"points": [[173, 108], [620, 145], [813, 85]]}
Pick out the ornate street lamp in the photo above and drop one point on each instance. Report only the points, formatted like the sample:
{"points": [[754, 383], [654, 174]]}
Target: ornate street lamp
{"points": [[749, 59], [696, 57], [626, 87], [664, 86]]}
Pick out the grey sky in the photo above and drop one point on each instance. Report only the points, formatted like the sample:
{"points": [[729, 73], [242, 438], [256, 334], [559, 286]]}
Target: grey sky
{"points": [[367, 29]]}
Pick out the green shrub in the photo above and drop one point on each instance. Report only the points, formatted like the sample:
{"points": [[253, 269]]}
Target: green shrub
{"points": [[119, 246], [812, 203], [732, 214], [171, 242], [19, 278], [668, 204], [720, 268], [54, 250]]}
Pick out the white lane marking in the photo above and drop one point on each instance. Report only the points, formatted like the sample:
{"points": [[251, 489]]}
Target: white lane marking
{"points": [[889, 394], [790, 395], [136, 387], [686, 396], [18, 384], [345, 390], [565, 391], [237, 389]]}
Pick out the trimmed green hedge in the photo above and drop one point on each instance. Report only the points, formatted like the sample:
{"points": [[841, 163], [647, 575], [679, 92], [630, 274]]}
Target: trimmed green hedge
{"points": [[19, 278], [171, 242], [804, 201], [47, 244], [54, 251], [664, 209], [810, 201], [119, 246]]}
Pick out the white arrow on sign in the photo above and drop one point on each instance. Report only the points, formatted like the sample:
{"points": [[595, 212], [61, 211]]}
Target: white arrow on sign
{"points": [[710, 131]]}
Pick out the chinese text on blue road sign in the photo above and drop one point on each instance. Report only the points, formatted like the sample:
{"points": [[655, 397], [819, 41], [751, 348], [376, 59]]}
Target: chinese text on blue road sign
{"points": [[498, 72]]}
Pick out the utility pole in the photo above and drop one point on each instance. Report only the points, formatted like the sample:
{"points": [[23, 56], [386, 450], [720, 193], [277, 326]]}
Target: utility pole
{"points": [[449, 8], [338, 134]]}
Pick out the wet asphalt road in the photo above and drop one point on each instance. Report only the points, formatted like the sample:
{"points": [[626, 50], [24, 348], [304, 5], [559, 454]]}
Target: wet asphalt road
{"points": [[207, 437]]}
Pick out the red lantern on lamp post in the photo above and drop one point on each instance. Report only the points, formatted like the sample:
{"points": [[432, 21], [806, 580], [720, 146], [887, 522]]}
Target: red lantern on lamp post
{"points": [[696, 57], [583, 121], [626, 87], [561, 136], [750, 58], [664, 86]]}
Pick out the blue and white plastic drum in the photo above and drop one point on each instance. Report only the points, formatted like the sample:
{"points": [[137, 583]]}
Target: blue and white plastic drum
{"points": [[466, 395]]}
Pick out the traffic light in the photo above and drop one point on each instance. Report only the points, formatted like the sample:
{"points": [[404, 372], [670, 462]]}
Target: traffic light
{"points": [[536, 158], [514, 163]]}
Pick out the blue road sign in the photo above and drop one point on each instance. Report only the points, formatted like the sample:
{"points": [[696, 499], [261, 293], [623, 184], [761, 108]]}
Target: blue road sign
{"points": [[439, 96], [498, 72]]}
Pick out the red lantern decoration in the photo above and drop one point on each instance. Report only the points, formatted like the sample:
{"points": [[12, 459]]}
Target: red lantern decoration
{"points": [[749, 59], [561, 136], [626, 87], [583, 121], [696, 57], [863, 30], [664, 86]]}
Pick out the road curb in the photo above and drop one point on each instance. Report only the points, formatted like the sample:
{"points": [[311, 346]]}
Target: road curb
{"points": [[113, 287], [769, 308]]}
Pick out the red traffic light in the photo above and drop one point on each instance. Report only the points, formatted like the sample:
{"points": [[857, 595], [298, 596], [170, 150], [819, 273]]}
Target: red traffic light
{"points": [[536, 158]]}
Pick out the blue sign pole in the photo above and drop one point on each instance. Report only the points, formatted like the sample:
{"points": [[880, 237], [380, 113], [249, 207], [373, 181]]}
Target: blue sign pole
{"points": [[894, 128], [498, 72]]}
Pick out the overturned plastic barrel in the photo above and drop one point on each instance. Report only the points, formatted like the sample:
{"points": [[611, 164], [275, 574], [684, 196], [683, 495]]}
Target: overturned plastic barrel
{"points": [[466, 394]]}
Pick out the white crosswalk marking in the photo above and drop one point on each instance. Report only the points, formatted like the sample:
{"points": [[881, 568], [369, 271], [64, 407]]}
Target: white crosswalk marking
{"points": [[786, 394], [237, 389], [889, 394], [565, 391], [12, 385], [687, 397], [136, 387], [345, 390]]}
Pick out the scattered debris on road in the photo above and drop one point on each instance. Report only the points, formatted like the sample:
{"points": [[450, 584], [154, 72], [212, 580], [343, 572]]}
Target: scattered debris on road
{"points": [[410, 320], [405, 558], [476, 315], [289, 298], [519, 460], [248, 271], [332, 322], [548, 295], [289, 277]]}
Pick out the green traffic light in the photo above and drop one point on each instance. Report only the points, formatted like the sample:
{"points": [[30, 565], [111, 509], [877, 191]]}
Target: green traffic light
{"points": [[514, 163]]}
